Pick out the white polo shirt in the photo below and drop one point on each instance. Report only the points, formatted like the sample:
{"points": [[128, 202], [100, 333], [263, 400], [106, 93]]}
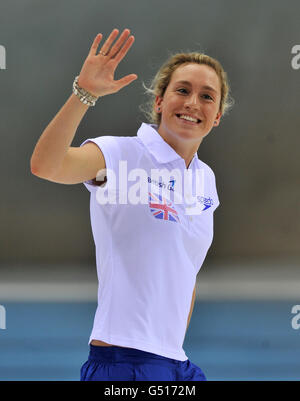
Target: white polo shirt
{"points": [[148, 254]]}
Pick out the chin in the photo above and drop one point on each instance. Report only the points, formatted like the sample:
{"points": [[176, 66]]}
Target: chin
{"points": [[189, 134]]}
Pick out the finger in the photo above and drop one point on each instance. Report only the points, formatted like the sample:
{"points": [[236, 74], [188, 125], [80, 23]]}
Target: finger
{"points": [[124, 49], [126, 80], [122, 39], [109, 41], [94, 47]]}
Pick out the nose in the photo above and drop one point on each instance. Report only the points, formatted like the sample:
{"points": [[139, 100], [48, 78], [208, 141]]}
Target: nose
{"points": [[192, 101]]}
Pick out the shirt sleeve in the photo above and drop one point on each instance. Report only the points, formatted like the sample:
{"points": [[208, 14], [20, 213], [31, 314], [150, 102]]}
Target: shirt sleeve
{"points": [[215, 192], [212, 189], [111, 152]]}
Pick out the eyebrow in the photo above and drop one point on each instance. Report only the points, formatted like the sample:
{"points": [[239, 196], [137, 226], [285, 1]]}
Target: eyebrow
{"points": [[204, 86]]}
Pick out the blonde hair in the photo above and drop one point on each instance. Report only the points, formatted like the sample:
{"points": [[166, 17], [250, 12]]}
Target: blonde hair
{"points": [[162, 79]]}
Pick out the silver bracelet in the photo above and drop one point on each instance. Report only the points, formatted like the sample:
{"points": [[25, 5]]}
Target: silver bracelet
{"points": [[83, 95]]}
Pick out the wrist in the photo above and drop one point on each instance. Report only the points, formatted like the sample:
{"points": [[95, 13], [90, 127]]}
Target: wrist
{"points": [[83, 95], [84, 88]]}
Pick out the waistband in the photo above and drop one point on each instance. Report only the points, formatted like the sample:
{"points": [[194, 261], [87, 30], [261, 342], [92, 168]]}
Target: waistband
{"points": [[128, 355]]}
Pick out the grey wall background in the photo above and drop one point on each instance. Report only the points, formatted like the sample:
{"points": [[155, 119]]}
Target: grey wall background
{"points": [[254, 152]]}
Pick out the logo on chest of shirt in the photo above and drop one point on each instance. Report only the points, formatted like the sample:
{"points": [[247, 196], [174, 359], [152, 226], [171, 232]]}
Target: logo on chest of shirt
{"points": [[193, 204], [160, 184], [162, 208], [206, 202]]}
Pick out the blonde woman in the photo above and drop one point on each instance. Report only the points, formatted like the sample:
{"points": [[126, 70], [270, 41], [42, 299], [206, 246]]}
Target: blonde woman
{"points": [[148, 253]]}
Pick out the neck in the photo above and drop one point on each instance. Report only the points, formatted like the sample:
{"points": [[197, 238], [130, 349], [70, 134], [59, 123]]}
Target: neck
{"points": [[181, 147]]}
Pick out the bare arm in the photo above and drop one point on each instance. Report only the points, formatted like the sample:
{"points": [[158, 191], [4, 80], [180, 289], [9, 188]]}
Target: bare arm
{"points": [[53, 158], [52, 147], [192, 307]]}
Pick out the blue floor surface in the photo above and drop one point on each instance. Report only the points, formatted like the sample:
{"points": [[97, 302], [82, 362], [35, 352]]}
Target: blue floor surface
{"points": [[228, 340]]}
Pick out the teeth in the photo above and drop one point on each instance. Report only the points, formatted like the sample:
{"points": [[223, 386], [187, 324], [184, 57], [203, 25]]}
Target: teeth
{"points": [[188, 118]]}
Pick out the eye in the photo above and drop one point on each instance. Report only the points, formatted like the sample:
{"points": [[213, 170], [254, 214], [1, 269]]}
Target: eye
{"points": [[207, 98], [210, 98], [182, 89]]}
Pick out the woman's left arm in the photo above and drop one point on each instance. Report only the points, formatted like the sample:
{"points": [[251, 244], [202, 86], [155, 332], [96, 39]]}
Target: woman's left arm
{"points": [[192, 307]]}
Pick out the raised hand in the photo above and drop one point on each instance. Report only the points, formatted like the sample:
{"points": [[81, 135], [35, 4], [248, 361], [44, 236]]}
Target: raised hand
{"points": [[97, 73]]}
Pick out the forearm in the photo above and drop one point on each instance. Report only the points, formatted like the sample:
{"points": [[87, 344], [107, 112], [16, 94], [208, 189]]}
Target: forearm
{"points": [[189, 318], [57, 137], [191, 308]]}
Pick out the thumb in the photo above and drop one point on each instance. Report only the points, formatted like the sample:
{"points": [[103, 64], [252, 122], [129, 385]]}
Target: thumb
{"points": [[126, 80]]}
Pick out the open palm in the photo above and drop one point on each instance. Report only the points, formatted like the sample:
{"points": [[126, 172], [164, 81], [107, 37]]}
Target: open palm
{"points": [[97, 73]]}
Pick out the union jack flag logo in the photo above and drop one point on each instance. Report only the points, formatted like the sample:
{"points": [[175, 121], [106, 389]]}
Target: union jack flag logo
{"points": [[162, 208]]}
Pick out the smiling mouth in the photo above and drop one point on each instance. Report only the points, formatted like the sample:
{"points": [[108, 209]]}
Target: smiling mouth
{"points": [[188, 121]]}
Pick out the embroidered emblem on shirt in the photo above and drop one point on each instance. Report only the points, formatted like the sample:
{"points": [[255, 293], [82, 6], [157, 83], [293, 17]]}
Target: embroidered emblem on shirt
{"points": [[207, 202], [162, 208]]}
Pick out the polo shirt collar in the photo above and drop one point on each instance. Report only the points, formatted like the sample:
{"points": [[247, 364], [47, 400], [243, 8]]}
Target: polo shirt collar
{"points": [[157, 146]]}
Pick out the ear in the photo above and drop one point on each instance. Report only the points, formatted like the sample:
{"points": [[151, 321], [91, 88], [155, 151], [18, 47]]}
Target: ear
{"points": [[217, 119], [158, 102]]}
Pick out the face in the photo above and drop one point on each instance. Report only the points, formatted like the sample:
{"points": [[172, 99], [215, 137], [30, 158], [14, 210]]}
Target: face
{"points": [[199, 98]]}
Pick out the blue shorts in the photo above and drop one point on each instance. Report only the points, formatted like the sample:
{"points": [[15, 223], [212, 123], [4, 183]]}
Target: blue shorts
{"points": [[130, 364]]}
